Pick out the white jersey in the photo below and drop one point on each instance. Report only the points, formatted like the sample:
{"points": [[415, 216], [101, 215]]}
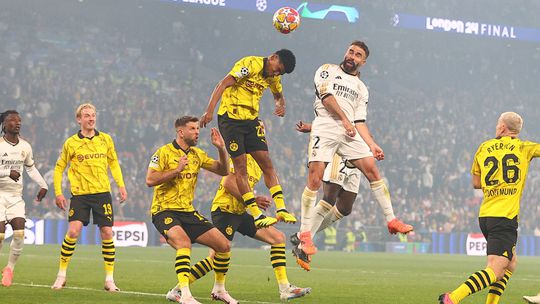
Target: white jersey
{"points": [[350, 93], [13, 157]]}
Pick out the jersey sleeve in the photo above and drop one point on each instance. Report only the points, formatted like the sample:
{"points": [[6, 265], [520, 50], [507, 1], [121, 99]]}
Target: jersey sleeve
{"points": [[244, 68], [206, 161], [114, 165], [29, 159], [532, 149], [323, 81], [475, 170], [157, 160], [59, 168], [360, 111], [275, 84]]}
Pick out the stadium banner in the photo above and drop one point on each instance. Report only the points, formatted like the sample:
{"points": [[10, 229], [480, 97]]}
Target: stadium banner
{"points": [[130, 234], [305, 9], [476, 244], [465, 27]]}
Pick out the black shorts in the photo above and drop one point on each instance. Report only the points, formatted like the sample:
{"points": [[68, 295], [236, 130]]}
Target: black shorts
{"points": [[501, 235], [100, 204], [229, 223], [242, 136], [193, 223]]}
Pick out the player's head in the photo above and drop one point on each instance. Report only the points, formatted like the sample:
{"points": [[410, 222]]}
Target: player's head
{"points": [[279, 63], [355, 57], [10, 121], [86, 116], [187, 130], [509, 124]]}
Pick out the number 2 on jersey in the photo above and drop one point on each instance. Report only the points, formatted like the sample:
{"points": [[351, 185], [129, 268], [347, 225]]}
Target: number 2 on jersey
{"points": [[510, 171]]}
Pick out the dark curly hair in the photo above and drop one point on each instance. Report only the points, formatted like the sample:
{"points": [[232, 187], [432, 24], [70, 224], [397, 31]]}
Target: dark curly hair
{"points": [[4, 115]]}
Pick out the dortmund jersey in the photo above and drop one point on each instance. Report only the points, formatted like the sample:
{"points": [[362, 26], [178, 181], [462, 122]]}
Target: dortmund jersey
{"points": [[89, 158], [241, 100], [177, 194], [502, 164], [225, 201]]}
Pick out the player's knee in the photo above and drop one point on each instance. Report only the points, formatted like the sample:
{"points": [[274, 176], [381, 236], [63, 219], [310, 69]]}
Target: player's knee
{"points": [[223, 246], [344, 210], [73, 233], [278, 238]]}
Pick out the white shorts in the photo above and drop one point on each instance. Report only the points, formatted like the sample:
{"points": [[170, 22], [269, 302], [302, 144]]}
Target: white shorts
{"points": [[338, 173], [11, 207], [322, 148]]}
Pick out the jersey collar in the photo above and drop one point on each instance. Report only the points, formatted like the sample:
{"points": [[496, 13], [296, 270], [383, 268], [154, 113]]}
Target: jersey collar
{"points": [[82, 136], [177, 147]]}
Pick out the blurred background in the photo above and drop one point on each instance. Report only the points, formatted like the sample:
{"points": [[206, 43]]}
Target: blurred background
{"points": [[435, 93]]}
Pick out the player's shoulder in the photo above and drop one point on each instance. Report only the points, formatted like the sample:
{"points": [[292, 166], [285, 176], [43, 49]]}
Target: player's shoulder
{"points": [[328, 67], [198, 152], [24, 143]]}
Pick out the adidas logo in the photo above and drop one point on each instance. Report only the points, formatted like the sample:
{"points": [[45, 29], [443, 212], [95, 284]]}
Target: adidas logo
{"points": [[338, 77], [5, 154]]}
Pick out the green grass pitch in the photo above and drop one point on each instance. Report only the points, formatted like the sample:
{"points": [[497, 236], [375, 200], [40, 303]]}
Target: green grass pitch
{"points": [[145, 275]]}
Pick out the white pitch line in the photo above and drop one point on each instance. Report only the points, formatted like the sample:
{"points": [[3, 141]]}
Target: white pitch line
{"points": [[126, 292]]}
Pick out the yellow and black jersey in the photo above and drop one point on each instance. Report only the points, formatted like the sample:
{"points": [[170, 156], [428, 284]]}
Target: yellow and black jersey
{"points": [[88, 159], [502, 164], [177, 194], [241, 100], [225, 201]]}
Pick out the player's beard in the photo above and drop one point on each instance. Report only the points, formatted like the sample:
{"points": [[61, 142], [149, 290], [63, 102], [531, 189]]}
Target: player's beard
{"points": [[192, 142], [348, 68]]}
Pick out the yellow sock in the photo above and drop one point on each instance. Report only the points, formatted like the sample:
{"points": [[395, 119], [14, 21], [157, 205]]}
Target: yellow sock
{"points": [[496, 289], [108, 251], [200, 269], [66, 252], [277, 196], [249, 201], [221, 266], [476, 282], [182, 266], [279, 261]]}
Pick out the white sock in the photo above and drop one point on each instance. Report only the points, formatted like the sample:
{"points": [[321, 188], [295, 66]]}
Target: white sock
{"points": [[16, 248], [218, 287], [308, 201], [333, 216], [283, 287], [186, 293], [319, 213], [381, 194]]}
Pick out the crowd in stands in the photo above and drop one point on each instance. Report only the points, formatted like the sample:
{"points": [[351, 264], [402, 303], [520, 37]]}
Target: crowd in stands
{"points": [[429, 128]]}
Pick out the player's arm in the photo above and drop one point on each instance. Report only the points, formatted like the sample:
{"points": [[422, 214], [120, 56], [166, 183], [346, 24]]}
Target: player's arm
{"points": [[476, 182], [279, 101], [221, 166], [331, 105], [364, 132], [303, 127], [226, 82], [155, 176], [34, 174], [116, 171], [59, 168]]}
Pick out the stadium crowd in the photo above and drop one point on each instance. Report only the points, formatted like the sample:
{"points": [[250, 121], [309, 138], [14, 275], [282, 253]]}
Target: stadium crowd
{"points": [[429, 127]]}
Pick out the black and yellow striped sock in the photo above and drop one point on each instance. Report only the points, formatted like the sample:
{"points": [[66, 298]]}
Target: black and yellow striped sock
{"points": [[277, 196], [279, 263], [66, 252], [221, 266], [476, 282], [200, 269], [249, 201], [108, 251], [182, 266], [497, 289]]}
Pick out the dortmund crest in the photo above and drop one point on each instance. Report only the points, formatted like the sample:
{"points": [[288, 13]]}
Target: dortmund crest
{"points": [[229, 230], [167, 220]]}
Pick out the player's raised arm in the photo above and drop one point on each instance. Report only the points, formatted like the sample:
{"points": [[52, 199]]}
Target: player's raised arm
{"points": [[207, 116], [279, 101], [221, 166]]}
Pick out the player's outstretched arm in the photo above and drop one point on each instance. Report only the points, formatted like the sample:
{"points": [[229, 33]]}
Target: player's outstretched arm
{"points": [[207, 116], [220, 167], [279, 101], [303, 127]]}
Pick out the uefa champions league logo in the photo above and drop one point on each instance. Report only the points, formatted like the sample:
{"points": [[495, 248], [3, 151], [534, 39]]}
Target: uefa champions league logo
{"points": [[261, 5]]}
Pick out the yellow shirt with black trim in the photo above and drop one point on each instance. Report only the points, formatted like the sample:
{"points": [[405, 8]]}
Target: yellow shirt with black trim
{"points": [[177, 194], [502, 164], [225, 201], [241, 100], [88, 159]]}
